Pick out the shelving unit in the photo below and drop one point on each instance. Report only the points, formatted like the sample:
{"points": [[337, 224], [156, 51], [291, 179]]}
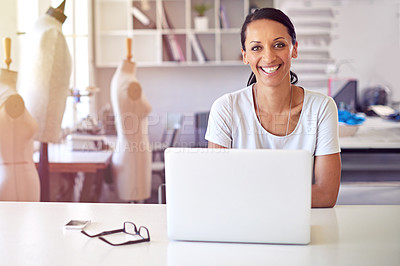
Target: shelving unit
{"points": [[314, 21], [114, 22]]}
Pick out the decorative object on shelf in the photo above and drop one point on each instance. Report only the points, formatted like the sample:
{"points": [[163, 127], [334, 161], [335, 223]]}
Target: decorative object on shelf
{"points": [[77, 94], [174, 50], [201, 21], [140, 17], [197, 48], [223, 17], [88, 125]]}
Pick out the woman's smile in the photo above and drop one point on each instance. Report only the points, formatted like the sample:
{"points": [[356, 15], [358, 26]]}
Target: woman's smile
{"points": [[271, 69]]}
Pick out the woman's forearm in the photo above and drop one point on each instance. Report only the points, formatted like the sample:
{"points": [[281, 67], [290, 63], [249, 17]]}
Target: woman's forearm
{"points": [[323, 198], [327, 170]]}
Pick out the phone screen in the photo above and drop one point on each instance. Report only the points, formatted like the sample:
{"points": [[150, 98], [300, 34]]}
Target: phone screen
{"points": [[77, 224]]}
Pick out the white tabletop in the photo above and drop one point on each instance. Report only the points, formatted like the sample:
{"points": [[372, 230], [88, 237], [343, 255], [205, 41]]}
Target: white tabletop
{"points": [[63, 153], [374, 133], [33, 234]]}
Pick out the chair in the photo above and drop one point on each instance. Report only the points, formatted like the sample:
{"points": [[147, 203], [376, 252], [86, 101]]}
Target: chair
{"points": [[169, 138], [201, 122]]}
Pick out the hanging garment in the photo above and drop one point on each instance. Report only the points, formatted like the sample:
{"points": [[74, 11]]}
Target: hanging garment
{"points": [[45, 75]]}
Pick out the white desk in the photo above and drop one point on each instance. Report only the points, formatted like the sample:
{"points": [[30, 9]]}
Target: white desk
{"points": [[374, 134], [32, 234], [62, 159], [375, 147]]}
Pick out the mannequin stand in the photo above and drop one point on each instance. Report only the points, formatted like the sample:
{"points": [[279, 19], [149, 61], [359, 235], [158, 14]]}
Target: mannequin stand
{"points": [[44, 173]]}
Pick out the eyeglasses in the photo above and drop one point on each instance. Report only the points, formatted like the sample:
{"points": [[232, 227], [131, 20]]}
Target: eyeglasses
{"points": [[130, 229]]}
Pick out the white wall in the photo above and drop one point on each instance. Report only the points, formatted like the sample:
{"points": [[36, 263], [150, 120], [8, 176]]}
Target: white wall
{"points": [[8, 28], [179, 90], [11, 23], [368, 35]]}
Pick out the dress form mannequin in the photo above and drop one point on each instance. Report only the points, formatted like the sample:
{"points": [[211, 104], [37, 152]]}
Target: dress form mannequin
{"points": [[45, 74], [131, 160], [19, 180], [44, 82]]}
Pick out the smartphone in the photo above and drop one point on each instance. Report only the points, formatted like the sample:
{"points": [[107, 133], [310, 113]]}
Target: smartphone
{"points": [[77, 224]]}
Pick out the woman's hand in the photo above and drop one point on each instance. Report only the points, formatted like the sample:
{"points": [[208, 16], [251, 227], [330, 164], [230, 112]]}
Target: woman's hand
{"points": [[327, 171]]}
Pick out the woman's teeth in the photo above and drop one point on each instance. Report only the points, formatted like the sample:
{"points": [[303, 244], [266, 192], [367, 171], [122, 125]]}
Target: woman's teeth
{"points": [[270, 70]]}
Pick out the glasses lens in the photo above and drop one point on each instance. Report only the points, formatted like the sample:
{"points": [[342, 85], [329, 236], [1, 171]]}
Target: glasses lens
{"points": [[143, 232], [130, 228]]}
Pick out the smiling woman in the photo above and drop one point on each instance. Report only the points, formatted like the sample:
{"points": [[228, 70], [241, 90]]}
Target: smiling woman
{"points": [[274, 113]]}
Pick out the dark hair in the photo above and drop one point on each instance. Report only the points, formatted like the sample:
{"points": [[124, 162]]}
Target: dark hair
{"points": [[272, 14]]}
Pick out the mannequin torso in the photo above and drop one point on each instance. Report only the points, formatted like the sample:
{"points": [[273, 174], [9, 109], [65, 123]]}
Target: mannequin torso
{"points": [[132, 157], [45, 75], [19, 179]]}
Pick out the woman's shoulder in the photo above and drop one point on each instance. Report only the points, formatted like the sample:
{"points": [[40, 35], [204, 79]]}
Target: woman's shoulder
{"points": [[315, 100], [316, 97], [235, 95], [232, 100]]}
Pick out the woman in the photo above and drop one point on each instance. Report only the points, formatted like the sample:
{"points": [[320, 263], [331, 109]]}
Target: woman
{"points": [[274, 113]]}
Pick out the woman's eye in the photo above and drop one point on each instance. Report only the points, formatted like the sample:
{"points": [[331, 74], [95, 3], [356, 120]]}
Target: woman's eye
{"points": [[279, 45], [255, 48]]}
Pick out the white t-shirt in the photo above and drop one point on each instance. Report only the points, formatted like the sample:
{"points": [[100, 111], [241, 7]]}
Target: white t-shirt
{"points": [[233, 123]]}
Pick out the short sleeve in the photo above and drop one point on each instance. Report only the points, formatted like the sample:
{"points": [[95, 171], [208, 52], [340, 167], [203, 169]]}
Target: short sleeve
{"points": [[328, 129], [219, 129]]}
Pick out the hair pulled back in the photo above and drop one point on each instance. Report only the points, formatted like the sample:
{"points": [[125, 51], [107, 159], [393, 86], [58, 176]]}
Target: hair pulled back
{"points": [[275, 15]]}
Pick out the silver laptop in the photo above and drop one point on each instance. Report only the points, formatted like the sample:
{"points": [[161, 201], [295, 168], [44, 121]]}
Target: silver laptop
{"points": [[238, 195]]}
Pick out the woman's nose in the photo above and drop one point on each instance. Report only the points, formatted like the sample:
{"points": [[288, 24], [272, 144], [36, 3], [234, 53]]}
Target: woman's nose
{"points": [[268, 55]]}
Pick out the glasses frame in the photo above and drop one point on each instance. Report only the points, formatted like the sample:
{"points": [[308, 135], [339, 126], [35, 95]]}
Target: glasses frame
{"points": [[138, 232]]}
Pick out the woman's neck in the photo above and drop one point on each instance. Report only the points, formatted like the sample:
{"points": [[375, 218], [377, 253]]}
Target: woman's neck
{"points": [[274, 100]]}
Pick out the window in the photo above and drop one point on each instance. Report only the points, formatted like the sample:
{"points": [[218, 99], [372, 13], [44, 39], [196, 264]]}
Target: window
{"points": [[76, 31]]}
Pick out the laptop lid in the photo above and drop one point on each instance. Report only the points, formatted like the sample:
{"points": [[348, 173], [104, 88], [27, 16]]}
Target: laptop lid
{"points": [[236, 195]]}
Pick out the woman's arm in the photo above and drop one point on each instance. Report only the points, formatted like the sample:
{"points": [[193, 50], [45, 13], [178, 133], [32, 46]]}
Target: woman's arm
{"points": [[327, 170]]}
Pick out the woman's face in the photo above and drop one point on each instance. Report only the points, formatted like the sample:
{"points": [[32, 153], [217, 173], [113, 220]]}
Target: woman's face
{"points": [[269, 51]]}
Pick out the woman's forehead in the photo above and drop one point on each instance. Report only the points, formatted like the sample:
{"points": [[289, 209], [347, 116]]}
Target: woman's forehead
{"points": [[266, 28]]}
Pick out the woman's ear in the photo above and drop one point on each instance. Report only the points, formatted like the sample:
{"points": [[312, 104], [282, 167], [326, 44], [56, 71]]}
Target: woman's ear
{"points": [[244, 57], [294, 51]]}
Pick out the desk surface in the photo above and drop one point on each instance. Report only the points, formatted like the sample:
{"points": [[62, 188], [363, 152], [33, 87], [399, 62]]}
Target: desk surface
{"points": [[63, 159], [33, 234], [374, 133]]}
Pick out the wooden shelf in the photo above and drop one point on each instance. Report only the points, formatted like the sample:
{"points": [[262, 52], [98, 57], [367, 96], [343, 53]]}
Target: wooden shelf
{"points": [[114, 22]]}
